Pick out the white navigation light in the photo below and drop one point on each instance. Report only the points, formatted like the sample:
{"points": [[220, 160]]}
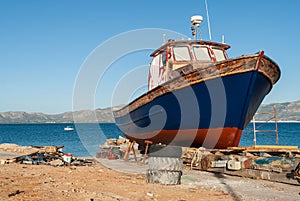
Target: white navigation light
{"points": [[196, 20]]}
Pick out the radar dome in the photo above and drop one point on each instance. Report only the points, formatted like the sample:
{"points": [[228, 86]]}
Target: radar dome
{"points": [[196, 20]]}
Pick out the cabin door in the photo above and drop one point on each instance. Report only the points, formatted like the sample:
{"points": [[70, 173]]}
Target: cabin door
{"points": [[157, 72]]}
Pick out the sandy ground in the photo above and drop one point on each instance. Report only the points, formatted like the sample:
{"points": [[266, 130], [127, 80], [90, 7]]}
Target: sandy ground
{"points": [[41, 182]]}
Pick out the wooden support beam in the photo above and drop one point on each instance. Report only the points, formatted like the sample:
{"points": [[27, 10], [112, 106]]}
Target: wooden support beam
{"points": [[130, 147], [147, 142]]}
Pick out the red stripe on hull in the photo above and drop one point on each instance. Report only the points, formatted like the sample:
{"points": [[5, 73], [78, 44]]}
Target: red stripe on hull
{"points": [[218, 138]]}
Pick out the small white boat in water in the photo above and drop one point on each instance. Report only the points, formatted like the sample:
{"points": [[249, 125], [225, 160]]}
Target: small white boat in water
{"points": [[69, 128]]}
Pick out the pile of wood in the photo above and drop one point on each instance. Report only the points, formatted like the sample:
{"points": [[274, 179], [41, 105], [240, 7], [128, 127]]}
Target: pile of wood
{"points": [[204, 159], [276, 163], [36, 155], [115, 148]]}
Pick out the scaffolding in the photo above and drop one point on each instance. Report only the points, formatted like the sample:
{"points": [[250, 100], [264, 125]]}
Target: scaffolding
{"points": [[272, 118]]}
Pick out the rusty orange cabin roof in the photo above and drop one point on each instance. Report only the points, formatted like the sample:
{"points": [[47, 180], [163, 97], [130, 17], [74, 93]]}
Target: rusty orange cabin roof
{"points": [[190, 42]]}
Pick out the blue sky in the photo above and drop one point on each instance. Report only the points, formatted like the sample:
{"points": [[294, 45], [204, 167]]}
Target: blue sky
{"points": [[44, 43]]}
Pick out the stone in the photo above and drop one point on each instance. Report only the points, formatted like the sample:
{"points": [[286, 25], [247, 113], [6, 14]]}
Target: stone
{"points": [[56, 162]]}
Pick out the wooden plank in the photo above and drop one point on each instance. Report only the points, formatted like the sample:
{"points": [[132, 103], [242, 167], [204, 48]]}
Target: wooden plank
{"points": [[237, 148], [284, 177], [275, 147], [267, 148]]}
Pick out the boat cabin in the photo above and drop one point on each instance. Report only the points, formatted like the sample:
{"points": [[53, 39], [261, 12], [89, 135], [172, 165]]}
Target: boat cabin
{"points": [[176, 58]]}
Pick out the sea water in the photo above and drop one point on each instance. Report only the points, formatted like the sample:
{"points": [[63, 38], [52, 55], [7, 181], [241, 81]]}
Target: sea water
{"points": [[85, 139], [288, 134]]}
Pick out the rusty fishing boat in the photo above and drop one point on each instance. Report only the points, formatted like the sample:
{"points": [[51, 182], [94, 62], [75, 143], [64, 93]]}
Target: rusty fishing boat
{"points": [[197, 95]]}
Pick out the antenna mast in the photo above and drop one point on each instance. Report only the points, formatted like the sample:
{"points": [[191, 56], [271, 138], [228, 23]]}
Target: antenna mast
{"points": [[208, 23]]}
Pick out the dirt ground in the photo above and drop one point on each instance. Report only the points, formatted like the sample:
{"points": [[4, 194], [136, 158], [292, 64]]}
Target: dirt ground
{"points": [[41, 182]]}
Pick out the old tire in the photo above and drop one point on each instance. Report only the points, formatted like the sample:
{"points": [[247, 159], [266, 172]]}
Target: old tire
{"points": [[165, 151], [164, 177], [165, 163]]}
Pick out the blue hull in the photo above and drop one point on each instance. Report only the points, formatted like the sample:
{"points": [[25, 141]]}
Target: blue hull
{"points": [[219, 109]]}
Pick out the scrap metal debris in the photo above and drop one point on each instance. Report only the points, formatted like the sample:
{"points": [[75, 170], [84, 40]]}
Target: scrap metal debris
{"points": [[36, 155], [297, 173], [273, 162], [115, 148]]}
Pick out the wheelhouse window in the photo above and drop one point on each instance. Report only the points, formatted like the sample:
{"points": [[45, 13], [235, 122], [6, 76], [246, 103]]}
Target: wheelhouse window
{"points": [[201, 53], [181, 53], [219, 54]]}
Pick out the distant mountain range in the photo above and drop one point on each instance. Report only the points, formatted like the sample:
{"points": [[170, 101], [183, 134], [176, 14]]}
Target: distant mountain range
{"points": [[84, 116], [289, 111]]}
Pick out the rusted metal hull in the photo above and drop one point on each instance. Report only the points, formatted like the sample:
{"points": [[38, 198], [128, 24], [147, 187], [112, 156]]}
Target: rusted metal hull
{"points": [[206, 106]]}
